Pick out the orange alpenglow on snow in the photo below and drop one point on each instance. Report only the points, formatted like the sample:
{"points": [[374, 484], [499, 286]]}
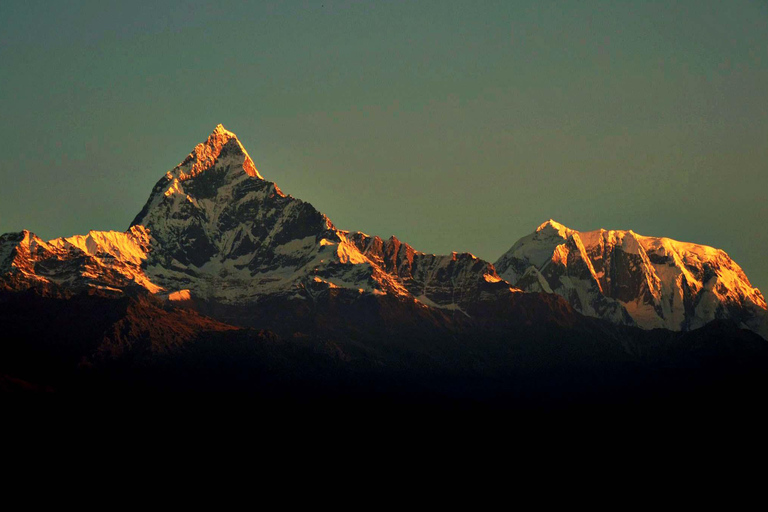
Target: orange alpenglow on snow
{"points": [[206, 153]]}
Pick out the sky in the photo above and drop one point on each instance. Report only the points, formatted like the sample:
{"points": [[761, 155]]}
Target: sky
{"points": [[454, 125]]}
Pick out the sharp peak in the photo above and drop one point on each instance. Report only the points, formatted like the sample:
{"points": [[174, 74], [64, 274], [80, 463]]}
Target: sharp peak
{"points": [[553, 224], [550, 222], [220, 137], [219, 130], [205, 154]]}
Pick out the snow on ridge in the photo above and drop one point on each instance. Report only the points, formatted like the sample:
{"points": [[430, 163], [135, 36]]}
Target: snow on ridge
{"points": [[656, 281], [555, 226], [214, 229], [130, 246]]}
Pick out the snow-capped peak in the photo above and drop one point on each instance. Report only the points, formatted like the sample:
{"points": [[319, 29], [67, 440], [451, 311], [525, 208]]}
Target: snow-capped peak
{"points": [[220, 144], [210, 170], [228, 236], [223, 131], [630, 278], [552, 225]]}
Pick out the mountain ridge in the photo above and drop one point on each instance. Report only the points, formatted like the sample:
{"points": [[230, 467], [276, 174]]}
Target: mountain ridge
{"points": [[225, 283], [634, 279], [214, 232]]}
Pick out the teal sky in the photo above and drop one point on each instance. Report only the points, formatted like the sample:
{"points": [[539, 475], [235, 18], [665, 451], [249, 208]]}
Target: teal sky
{"points": [[454, 125]]}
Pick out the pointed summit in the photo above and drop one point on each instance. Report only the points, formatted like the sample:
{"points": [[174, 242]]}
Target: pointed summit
{"points": [[221, 144], [213, 165], [554, 226], [220, 130]]}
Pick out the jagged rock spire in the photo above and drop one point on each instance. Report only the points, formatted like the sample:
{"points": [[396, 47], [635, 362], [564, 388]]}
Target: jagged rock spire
{"points": [[220, 143]]}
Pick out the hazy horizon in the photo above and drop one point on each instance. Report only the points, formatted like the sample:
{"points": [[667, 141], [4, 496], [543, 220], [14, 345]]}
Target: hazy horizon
{"points": [[454, 127]]}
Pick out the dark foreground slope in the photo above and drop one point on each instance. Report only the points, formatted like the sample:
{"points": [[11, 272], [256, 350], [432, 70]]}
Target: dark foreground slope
{"points": [[395, 356]]}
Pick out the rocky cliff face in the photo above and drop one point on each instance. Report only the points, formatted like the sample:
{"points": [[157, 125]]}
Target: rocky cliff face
{"points": [[635, 280], [455, 282]]}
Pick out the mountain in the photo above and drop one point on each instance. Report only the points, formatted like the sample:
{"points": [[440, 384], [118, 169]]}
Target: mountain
{"points": [[223, 282], [215, 235], [228, 236], [632, 279]]}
